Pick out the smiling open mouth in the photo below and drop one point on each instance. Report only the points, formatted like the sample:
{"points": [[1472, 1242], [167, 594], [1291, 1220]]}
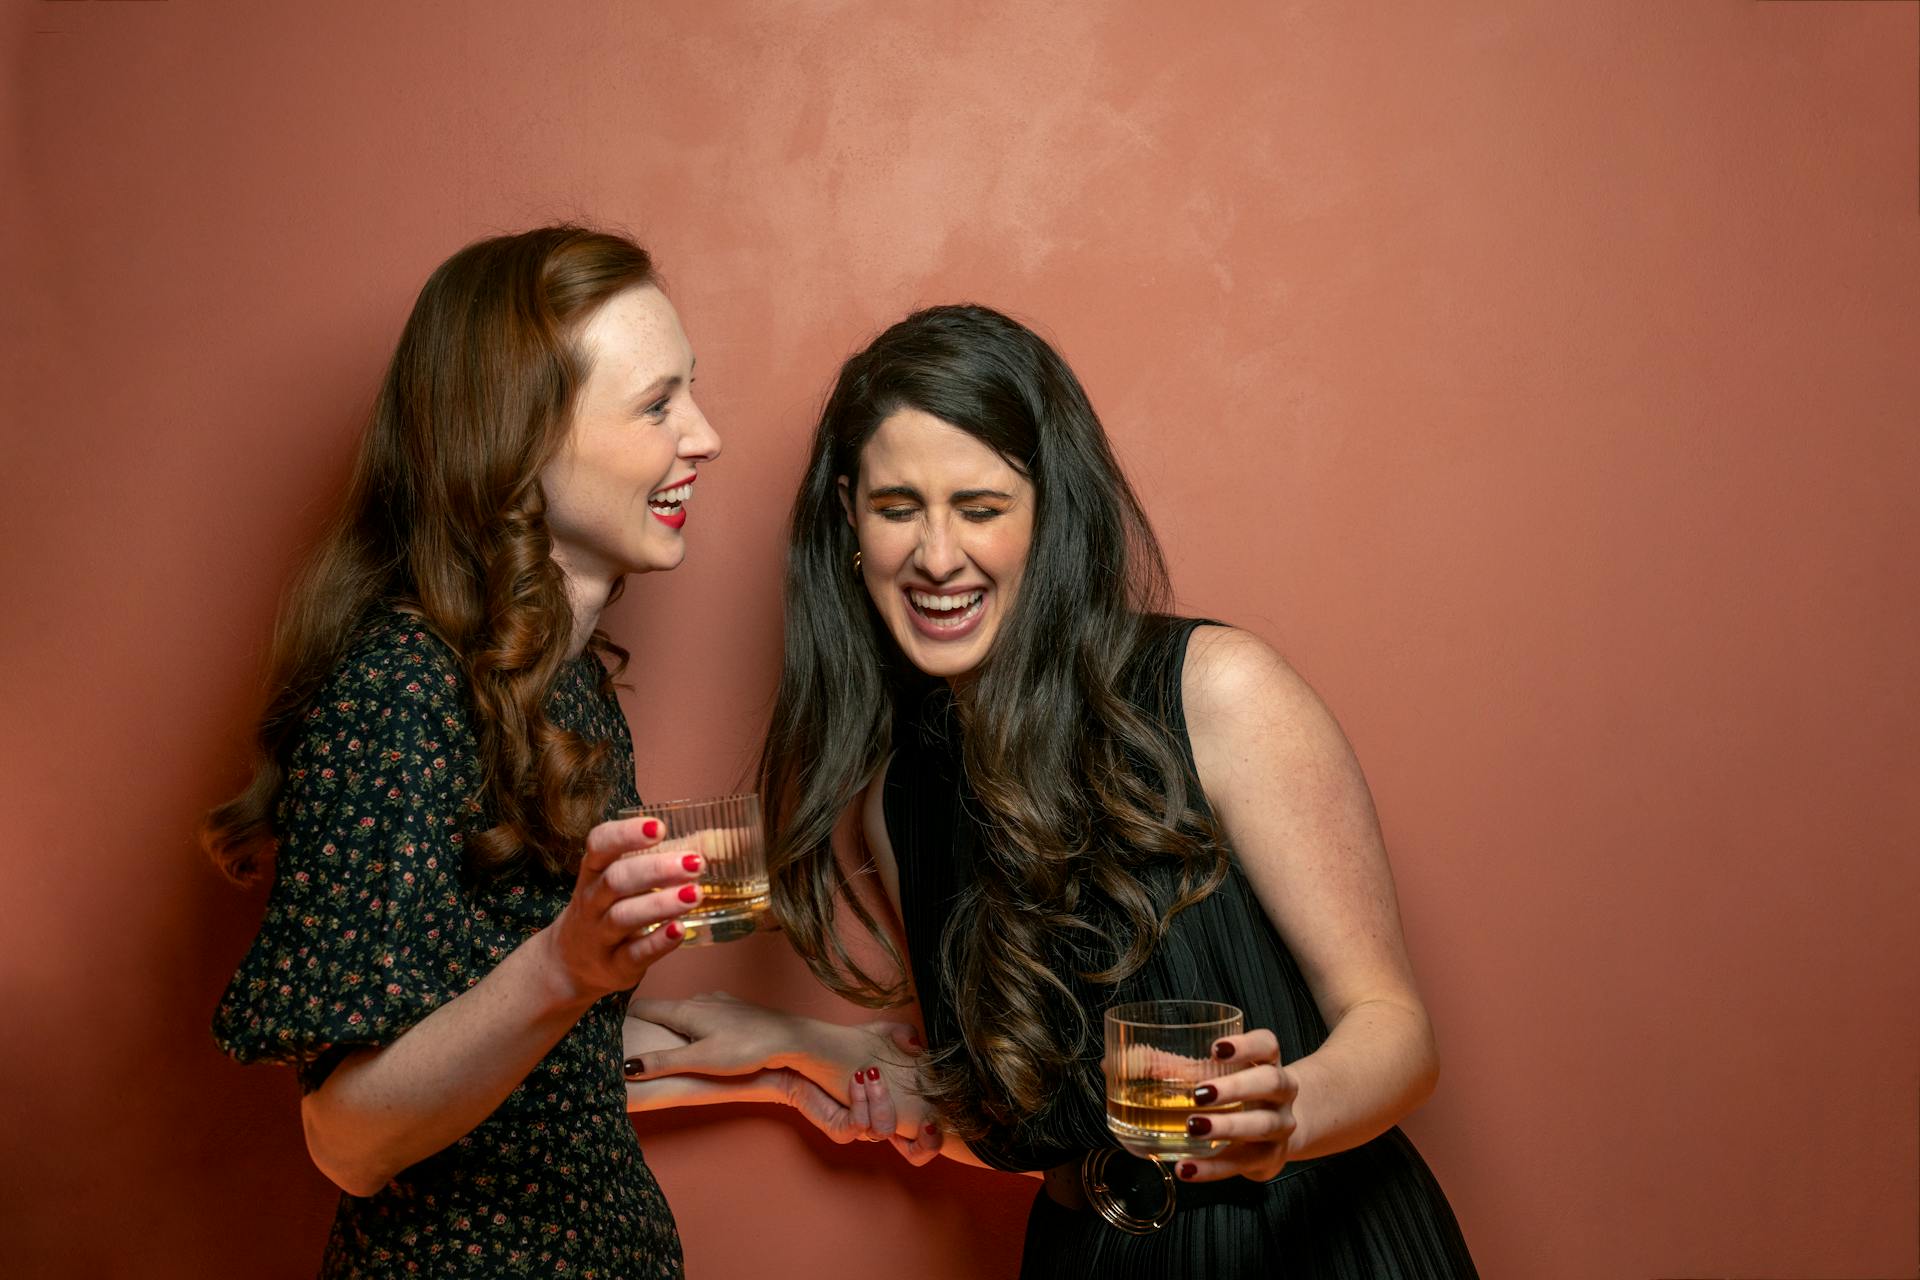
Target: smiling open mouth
{"points": [[669, 506], [946, 612]]}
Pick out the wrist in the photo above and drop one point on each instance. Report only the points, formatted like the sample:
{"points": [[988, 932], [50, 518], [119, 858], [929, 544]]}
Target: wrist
{"points": [[823, 1052], [563, 993]]}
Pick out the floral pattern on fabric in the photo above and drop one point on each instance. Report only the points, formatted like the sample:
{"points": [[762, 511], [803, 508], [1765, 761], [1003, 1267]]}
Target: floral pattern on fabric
{"points": [[371, 925]]}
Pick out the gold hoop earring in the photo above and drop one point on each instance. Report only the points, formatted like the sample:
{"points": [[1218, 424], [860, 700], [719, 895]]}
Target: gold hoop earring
{"points": [[856, 562]]}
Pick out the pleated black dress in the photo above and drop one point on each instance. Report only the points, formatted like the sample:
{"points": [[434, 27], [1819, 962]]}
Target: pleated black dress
{"points": [[1372, 1213]]}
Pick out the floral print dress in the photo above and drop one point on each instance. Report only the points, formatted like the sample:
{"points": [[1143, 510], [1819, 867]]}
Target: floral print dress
{"points": [[371, 926]]}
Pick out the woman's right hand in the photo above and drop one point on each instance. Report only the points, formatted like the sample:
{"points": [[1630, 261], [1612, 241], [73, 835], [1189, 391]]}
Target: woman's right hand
{"points": [[599, 943], [383, 1109]]}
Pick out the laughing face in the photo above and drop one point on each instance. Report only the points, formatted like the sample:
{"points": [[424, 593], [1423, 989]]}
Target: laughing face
{"points": [[944, 524], [617, 490]]}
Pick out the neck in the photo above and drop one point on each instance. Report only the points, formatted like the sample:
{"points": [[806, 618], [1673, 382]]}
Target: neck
{"points": [[588, 594], [962, 685]]}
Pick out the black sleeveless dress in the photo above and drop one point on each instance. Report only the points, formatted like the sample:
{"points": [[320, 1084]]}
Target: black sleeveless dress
{"points": [[1371, 1213]]}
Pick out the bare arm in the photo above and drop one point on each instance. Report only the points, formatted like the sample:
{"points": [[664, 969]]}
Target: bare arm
{"points": [[383, 1109], [714, 1048], [1287, 788], [863, 1111]]}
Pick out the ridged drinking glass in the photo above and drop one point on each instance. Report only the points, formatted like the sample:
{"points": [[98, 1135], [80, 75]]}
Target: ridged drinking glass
{"points": [[726, 831], [1158, 1052]]}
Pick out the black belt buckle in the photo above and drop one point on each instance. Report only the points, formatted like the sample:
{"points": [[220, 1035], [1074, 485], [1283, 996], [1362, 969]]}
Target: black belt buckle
{"points": [[1137, 1196]]}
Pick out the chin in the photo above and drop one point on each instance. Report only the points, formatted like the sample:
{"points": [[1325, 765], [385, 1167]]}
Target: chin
{"points": [[663, 559], [943, 662]]}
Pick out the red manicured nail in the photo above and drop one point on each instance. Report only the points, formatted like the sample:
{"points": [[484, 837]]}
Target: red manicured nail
{"points": [[932, 1128], [1199, 1126], [1222, 1049], [689, 893], [651, 828], [634, 1068], [1187, 1169], [674, 930], [1204, 1094], [691, 862]]}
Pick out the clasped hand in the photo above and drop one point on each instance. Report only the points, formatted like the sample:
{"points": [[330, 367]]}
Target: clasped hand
{"points": [[853, 1083]]}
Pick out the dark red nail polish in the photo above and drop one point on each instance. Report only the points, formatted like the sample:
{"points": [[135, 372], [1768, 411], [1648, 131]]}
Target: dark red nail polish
{"points": [[651, 828], [873, 1074], [1199, 1126], [689, 893], [1204, 1094], [674, 930], [691, 862], [932, 1128], [1187, 1169], [634, 1068], [1222, 1050]]}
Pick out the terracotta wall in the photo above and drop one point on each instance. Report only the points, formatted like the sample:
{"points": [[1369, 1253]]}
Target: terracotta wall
{"points": [[1541, 377]]}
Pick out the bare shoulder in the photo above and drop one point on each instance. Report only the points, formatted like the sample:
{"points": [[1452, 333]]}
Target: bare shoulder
{"points": [[1235, 684], [1271, 756]]}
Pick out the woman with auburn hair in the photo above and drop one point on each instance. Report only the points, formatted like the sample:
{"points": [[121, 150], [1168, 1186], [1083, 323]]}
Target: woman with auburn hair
{"points": [[453, 922], [1072, 800]]}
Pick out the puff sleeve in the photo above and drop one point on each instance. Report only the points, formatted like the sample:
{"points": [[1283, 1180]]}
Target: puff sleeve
{"points": [[365, 931]]}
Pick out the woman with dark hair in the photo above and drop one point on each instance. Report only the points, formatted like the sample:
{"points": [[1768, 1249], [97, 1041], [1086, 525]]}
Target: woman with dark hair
{"points": [[1073, 800], [453, 922]]}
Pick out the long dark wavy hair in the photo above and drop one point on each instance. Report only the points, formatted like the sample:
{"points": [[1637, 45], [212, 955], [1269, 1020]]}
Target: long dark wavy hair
{"points": [[445, 518], [1080, 789]]}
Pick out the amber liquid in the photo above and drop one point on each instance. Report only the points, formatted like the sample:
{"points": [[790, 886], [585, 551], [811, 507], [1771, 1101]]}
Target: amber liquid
{"points": [[1149, 1117], [728, 909]]}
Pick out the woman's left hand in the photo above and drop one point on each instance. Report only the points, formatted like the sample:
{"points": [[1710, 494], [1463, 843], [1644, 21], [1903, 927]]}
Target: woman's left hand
{"points": [[869, 1115], [720, 1035], [1261, 1131]]}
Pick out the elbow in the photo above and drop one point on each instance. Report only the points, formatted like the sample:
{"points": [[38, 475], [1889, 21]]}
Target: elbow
{"points": [[349, 1167], [1426, 1076], [1427, 1081]]}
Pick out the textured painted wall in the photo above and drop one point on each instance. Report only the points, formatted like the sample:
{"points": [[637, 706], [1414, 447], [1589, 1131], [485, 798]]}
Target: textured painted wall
{"points": [[1539, 376]]}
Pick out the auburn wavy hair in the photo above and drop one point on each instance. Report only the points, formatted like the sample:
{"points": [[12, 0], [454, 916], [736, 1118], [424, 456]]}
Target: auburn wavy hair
{"points": [[1082, 791], [444, 517]]}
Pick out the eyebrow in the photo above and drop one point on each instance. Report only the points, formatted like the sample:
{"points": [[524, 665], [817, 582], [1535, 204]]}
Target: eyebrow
{"points": [[670, 382], [657, 388], [959, 495]]}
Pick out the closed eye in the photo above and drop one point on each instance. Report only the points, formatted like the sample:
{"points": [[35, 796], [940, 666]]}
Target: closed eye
{"points": [[656, 402]]}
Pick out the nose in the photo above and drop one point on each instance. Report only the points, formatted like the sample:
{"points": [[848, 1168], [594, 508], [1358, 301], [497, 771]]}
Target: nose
{"points": [[699, 442], [939, 554]]}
